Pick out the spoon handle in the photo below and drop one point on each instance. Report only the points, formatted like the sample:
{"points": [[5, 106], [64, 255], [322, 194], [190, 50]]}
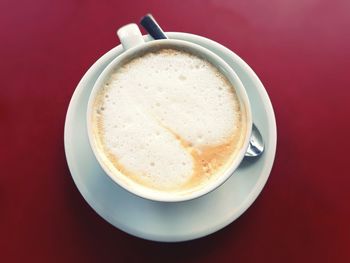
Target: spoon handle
{"points": [[152, 27]]}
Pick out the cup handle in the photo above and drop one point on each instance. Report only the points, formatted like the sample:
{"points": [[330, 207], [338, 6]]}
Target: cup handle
{"points": [[130, 36]]}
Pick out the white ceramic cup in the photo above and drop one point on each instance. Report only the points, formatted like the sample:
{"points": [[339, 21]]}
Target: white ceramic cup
{"points": [[134, 45]]}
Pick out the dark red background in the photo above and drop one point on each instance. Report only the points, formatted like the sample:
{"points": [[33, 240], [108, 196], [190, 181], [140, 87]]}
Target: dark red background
{"points": [[299, 49]]}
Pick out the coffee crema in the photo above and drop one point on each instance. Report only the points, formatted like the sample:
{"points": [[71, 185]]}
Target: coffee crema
{"points": [[168, 120]]}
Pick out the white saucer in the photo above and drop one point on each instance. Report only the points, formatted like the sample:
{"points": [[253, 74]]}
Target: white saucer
{"points": [[169, 222]]}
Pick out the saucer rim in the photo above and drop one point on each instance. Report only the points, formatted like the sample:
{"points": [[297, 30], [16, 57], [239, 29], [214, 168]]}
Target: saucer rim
{"points": [[251, 197]]}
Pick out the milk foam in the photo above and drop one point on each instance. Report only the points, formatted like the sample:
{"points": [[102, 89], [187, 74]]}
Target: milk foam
{"points": [[168, 120]]}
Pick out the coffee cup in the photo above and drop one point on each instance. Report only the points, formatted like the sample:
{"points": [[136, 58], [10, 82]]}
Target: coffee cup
{"points": [[168, 120]]}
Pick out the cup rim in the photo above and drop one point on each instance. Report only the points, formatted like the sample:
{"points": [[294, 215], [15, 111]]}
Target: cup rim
{"points": [[151, 194]]}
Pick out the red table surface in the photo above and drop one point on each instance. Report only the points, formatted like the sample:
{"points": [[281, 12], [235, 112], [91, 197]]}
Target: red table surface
{"points": [[299, 49]]}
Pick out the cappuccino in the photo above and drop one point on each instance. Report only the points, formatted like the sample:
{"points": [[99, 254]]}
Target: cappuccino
{"points": [[168, 120]]}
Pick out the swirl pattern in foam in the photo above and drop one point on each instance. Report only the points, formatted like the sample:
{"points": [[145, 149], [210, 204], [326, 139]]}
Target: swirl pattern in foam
{"points": [[168, 120]]}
